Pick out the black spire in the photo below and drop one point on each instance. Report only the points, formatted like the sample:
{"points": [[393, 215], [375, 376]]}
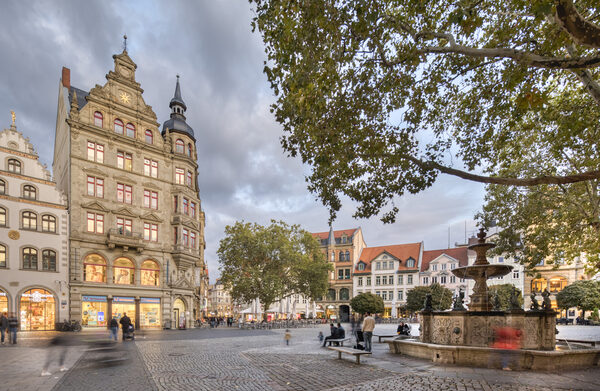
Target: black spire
{"points": [[177, 99], [177, 121]]}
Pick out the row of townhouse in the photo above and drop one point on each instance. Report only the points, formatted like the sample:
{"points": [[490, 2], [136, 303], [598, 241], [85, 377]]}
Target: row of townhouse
{"points": [[121, 229]]}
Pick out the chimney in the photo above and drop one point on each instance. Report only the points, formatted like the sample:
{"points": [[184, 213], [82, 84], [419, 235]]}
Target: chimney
{"points": [[66, 77]]}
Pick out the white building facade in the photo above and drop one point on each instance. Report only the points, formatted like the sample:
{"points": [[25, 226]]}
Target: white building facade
{"points": [[33, 237]]}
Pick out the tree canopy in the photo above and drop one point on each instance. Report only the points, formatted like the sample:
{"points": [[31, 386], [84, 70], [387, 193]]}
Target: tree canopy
{"points": [[504, 293], [441, 297], [272, 262], [584, 295], [367, 302], [381, 96]]}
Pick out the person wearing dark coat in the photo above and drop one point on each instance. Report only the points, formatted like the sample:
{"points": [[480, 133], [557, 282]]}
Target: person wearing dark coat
{"points": [[3, 325], [114, 328], [334, 335], [125, 322], [13, 326], [403, 329]]}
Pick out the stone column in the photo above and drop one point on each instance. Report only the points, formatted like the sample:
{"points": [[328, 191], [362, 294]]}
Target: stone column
{"points": [[137, 312]]}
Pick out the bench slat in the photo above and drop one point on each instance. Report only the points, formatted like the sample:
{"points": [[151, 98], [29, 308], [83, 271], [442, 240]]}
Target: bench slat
{"points": [[355, 352]]}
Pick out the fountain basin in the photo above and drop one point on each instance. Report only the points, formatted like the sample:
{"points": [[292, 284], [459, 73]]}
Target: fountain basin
{"points": [[481, 271]]}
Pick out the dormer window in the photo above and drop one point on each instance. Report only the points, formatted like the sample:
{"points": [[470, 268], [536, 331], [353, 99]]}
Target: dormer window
{"points": [[410, 262], [361, 266]]}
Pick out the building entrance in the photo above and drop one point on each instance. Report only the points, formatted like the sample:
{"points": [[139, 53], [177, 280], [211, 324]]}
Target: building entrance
{"points": [[38, 310]]}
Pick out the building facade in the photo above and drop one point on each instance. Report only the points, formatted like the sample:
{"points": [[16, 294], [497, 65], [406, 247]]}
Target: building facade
{"points": [[342, 249], [437, 267], [136, 222], [33, 237], [389, 272], [219, 301]]}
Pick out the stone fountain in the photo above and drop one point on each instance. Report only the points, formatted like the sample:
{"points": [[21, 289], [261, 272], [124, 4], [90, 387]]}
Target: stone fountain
{"points": [[462, 336]]}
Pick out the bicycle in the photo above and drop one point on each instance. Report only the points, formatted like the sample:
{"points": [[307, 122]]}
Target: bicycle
{"points": [[72, 325]]}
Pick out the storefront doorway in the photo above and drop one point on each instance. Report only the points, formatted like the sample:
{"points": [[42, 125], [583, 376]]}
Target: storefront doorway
{"points": [[123, 305], [344, 313], [179, 313], [38, 310], [150, 312], [94, 310], [3, 302]]}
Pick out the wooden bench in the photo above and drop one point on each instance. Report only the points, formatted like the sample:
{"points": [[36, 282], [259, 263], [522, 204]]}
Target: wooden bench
{"points": [[340, 340], [355, 352], [384, 336]]}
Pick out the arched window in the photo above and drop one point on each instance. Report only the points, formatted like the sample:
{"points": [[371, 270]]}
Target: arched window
{"points": [[123, 271], [410, 262], [149, 137], [29, 220], [49, 260], [14, 166], [37, 310], [130, 130], [94, 268], [118, 126], [2, 217], [179, 146], [2, 255], [189, 151], [344, 294], [557, 284], [331, 294], [2, 187], [48, 223], [29, 192], [98, 119], [539, 285], [150, 273], [30, 258]]}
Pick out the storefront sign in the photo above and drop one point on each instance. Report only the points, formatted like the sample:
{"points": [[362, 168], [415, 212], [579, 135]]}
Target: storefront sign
{"points": [[150, 300], [2, 293], [37, 296], [123, 300], [93, 298]]}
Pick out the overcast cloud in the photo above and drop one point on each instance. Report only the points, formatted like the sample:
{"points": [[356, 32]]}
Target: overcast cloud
{"points": [[244, 173]]}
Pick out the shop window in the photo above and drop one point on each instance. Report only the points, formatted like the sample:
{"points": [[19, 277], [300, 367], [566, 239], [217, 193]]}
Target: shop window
{"points": [[3, 302], [2, 217], [49, 260], [98, 119], [130, 130], [30, 258], [95, 152], [123, 271], [122, 306], [150, 273], [149, 137], [38, 310], [344, 294], [539, 285], [2, 257], [124, 160], [94, 268], [119, 127], [29, 220], [179, 146], [150, 313], [2, 187], [94, 311], [48, 223], [14, 166], [557, 284], [29, 192]]}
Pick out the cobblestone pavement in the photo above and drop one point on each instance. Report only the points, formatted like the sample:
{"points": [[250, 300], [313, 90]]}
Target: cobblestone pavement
{"points": [[233, 359]]}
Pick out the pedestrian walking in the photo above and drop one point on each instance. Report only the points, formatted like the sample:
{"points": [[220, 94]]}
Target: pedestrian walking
{"points": [[287, 336], [59, 345], [367, 328], [125, 323], [321, 337], [3, 325], [13, 326], [114, 328]]}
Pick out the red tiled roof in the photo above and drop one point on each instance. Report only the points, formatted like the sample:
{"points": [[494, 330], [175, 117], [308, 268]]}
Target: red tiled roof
{"points": [[458, 253], [336, 234], [400, 251]]}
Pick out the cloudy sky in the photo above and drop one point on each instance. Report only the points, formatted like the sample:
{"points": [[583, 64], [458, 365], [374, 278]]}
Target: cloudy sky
{"points": [[244, 173]]}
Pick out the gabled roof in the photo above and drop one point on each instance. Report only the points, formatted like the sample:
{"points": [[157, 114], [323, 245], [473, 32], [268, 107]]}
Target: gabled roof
{"points": [[399, 251], [336, 234], [458, 253]]}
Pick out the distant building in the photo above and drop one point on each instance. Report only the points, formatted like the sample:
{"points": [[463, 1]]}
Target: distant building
{"points": [[342, 249], [34, 257], [219, 301], [437, 266], [389, 272]]}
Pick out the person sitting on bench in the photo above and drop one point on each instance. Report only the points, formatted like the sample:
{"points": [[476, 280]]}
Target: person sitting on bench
{"points": [[335, 334]]}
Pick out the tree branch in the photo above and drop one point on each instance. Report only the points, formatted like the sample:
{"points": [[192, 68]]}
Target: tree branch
{"points": [[585, 77], [581, 30]]}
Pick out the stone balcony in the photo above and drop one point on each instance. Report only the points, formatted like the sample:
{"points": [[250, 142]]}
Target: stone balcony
{"points": [[125, 239]]}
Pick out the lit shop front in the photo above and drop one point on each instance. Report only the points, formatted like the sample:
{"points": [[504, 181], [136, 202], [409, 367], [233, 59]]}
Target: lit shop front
{"points": [[3, 302], [94, 311], [37, 310], [123, 305], [150, 312]]}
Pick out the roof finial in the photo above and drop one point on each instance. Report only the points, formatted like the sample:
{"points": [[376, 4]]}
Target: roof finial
{"points": [[125, 43], [13, 116]]}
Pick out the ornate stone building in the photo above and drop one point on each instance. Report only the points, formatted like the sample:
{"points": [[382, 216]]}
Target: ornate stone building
{"points": [[342, 249], [437, 266], [137, 225], [33, 237]]}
